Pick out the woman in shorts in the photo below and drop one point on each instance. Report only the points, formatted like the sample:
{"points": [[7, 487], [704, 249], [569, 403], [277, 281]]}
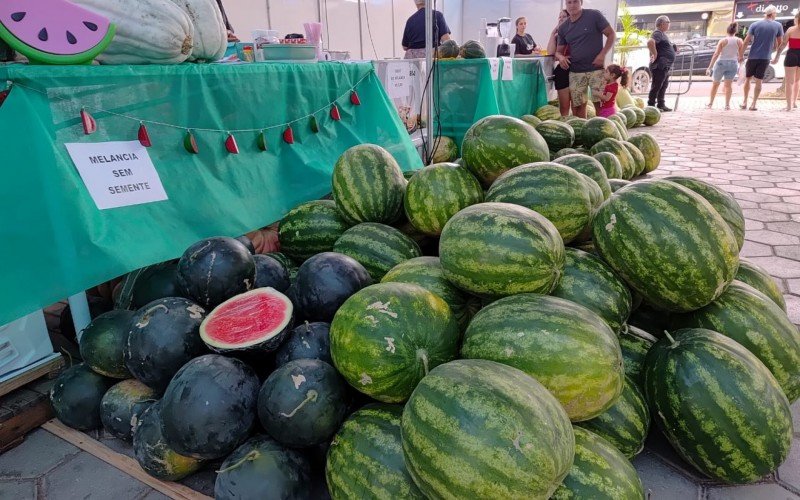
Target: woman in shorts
{"points": [[560, 75], [791, 63], [725, 64]]}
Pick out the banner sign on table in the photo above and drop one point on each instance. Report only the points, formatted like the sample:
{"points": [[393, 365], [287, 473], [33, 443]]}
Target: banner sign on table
{"points": [[117, 174]]}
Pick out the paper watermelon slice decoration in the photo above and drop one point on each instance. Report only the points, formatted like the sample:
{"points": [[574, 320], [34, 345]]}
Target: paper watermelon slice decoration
{"points": [[54, 31]]}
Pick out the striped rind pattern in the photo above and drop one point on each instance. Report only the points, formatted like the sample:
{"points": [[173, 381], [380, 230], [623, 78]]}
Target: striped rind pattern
{"points": [[427, 272], [617, 184], [596, 129], [635, 344], [496, 249], [616, 148], [365, 458], [311, 228], [667, 243], [548, 112], [587, 165], [718, 405], [437, 193], [650, 150], [638, 157], [626, 424], [610, 164], [446, 150], [479, 429], [621, 124], [652, 115], [554, 191], [758, 277], [588, 281], [600, 471], [577, 125], [723, 202], [557, 134], [752, 319], [563, 345], [386, 337], [377, 247], [498, 143], [368, 185]]}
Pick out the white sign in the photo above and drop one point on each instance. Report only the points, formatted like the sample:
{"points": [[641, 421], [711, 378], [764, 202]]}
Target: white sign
{"points": [[117, 174], [508, 68], [494, 66], [399, 76]]}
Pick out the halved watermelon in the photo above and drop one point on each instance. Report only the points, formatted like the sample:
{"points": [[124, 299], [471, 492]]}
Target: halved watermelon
{"points": [[254, 320], [54, 31]]}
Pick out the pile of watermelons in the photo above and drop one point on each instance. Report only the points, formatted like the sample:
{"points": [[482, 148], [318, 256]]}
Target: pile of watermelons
{"points": [[502, 326]]}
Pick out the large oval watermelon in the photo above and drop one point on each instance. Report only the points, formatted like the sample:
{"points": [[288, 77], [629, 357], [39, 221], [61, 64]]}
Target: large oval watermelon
{"points": [[577, 125], [619, 150], [750, 318], [635, 344], [557, 134], [102, 343], [325, 281], [638, 158], [630, 116], [547, 112], [760, 279], [123, 405], [368, 185], [153, 283], [370, 438], [215, 269], [480, 429], [437, 193], [684, 264], [76, 397], [563, 345], [616, 184], [377, 247], [311, 228], [496, 249], [596, 129], [552, 190], [610, 164], [708, 394], [590, 167], [445, 150], [650, 149], [153, 453], [498, 143], [388, 336], [652, 115]]}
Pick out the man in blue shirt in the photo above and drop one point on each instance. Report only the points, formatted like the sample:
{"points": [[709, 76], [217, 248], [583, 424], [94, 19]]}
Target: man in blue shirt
{"points": [[764, 34], [414, 34]]}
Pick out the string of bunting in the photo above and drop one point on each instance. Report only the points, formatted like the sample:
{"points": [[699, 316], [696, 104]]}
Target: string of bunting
{"points": [[189, 142]]}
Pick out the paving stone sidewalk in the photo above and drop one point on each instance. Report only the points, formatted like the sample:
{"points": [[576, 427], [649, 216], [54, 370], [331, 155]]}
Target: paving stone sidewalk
{"points": [[753, 155]]}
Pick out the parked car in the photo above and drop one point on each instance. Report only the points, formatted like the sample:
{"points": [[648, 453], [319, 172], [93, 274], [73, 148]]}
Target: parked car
{"points": [[637, 58]]}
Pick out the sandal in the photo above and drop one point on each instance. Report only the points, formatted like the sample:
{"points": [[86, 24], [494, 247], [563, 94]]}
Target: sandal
{"points": [[727, 108], [743, 106], [753, 109], [708, 106]]}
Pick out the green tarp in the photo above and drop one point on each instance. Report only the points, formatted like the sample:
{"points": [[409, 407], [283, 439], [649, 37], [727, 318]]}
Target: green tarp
{"points": [[55, 242]]}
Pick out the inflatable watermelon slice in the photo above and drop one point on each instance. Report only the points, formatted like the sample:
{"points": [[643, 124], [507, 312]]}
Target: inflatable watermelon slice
{"points": [[54, 31]]}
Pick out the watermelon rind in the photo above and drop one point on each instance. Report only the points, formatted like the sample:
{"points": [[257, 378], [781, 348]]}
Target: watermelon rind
{"points": [[635, 344], [615, 147], [760, 279], [596, 129], [311, 228], [650, 149], [377, 247], [36, 56], [102, 343], [589, 166], [123, 404]]}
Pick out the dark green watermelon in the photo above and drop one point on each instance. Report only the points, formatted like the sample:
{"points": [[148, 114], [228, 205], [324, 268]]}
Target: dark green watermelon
{"points": [[123, 404], [325, 281], [102, 343], [153, 453], [272, 273], [263, 468], [209, 407], [307, 341], [302, 403], [164, 336], [247, 242], [76, 397], [215, 269], [152, 283]]}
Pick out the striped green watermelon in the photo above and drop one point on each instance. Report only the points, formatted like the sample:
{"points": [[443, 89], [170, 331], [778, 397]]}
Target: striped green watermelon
{"points": [[626, 424], [591, 112], [722, 201], [445, 150], [596, 129], [563, 345], [595, 194], [649, 148], [652, 115], [311, 228], [619, 150], [365, 458], [437, 193], [610, 164], [600, 471], [377, 247], [495, 249], [718, 405], [368, 185], [630, 117], [548, 112], [635, 344], [577, 123], [472, 49], [386, 337], [617, 184], [557, 134], [587, 165], [479, 429], [621, 122], [554, 191], [531, 120], [752, 319], [498, 143], [427, 272], [588, 281], [640, 116], [758, 277], [564, 152], [683, 265], [638, 158]]}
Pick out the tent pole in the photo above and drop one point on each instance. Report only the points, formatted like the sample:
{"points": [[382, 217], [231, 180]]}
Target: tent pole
{"points": [[429, 47]]}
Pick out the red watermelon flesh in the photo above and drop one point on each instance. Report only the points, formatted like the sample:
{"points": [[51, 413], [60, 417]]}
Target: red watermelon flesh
{"points": [[53, 26], [254, 320]]}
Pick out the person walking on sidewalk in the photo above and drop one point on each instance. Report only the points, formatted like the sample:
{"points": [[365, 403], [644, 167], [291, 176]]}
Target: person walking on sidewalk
{"points": [[765, 35], [791, 63], [583, 32], [662, 55], [725, 64]]}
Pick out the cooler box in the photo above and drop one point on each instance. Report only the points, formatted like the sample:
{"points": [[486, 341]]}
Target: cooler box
{"points": [[24, 342]]}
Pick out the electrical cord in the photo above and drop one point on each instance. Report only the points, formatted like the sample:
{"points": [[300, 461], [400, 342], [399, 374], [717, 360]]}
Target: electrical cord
{"points": [[369, 31], [429, 149]]}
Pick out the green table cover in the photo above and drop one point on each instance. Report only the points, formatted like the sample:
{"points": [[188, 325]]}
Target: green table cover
{"points": [[55, 242], [466, 93]]}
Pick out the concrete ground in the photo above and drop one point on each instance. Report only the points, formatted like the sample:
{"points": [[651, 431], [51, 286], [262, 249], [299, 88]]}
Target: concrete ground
{"points": [[753, 155]]}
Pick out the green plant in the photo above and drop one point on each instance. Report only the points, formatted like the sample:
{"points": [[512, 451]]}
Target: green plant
{"points": [[631, 35]]}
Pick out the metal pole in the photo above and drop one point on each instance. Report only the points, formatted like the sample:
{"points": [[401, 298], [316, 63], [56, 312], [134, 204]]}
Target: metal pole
{"points": [[79, 307], [429, 67]]}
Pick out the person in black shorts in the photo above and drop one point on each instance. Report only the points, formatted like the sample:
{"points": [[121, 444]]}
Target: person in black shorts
{"points": [[560, 75], [765, 35], [791, 63]]}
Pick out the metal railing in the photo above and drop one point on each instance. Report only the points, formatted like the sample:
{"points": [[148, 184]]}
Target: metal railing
{"points": [[638, 59]]}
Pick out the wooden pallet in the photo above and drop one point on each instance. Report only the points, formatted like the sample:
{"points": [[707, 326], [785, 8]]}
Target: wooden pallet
{"points": [[46, 368]]}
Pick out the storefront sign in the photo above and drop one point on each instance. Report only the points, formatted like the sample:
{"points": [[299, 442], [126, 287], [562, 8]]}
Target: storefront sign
{"points": [[398, 79], [755, 10], [117, 174]]}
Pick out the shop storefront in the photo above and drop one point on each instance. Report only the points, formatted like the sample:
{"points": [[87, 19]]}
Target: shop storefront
{"points": [[689, 19], [746, 13]]}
